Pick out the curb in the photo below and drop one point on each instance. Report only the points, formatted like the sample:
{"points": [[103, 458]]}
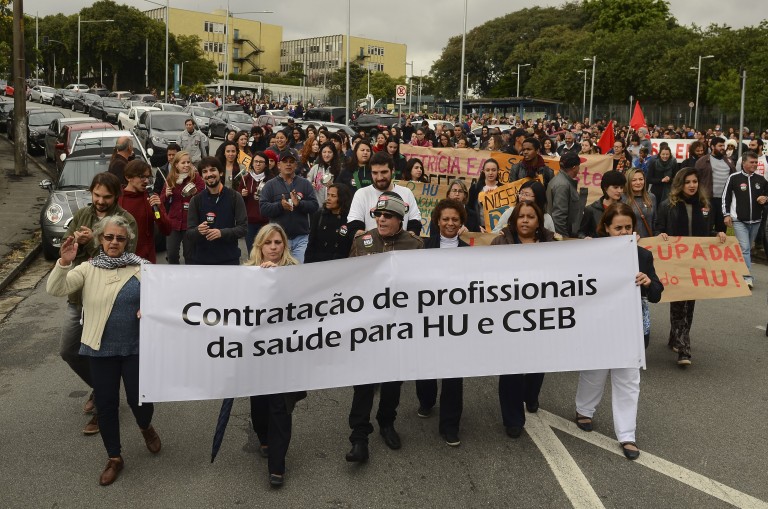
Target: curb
{"points": [[23, 264]]}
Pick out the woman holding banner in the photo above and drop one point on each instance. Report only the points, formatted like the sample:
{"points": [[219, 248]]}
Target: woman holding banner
{"points": [[641, 202], [526, 226], [486, 182], [271, 413], [687, 214], [449, 217], [619, 219]]}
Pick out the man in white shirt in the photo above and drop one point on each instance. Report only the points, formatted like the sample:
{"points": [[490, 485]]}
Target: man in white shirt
{"points": [[382, 171]]}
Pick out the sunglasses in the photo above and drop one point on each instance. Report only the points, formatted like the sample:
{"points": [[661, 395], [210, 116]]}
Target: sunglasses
{"points": [[386, 215], [120, 238]]}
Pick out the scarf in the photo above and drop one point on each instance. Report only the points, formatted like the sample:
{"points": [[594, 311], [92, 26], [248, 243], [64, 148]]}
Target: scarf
{"points": [[104, 261], [665, 168], [699, 223], [181, 177], [531, 169]]}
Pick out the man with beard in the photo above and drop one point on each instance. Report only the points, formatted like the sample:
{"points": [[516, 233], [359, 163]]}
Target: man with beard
{"points": [[714, 170], [105, 190], [216, 219], [365, 199], [532, 166], [389, 211]]}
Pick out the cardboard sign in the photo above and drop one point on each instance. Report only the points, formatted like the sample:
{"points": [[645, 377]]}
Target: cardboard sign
{"points": [[427, 196], [696, 268], [494, 203]]}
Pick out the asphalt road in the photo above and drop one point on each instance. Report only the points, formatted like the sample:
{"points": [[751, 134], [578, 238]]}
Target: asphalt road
{"points": [[701, 431]]}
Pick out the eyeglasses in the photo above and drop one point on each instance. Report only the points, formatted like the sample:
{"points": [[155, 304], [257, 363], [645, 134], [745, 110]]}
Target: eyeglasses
{"points": [[110, 237], [386, 215], [147, 177], [258, 161]]}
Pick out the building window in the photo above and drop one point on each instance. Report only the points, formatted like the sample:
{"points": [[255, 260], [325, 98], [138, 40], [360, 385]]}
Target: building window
{"points": [[314, 49], [283, 52], [222, 66], [328, 47], [376, 50], [214, 47], [215, 28]]}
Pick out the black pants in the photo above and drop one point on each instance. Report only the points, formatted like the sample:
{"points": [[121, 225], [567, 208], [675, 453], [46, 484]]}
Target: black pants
{"points": [[71, 332], [451, 401], [680, 322], [106, 373], [175, 241], [272, 424], [716, 206], [514, 390], [362, 404]]}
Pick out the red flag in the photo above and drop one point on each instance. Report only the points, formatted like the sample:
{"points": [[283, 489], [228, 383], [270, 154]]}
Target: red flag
{"points": [[606, 140], [638, 119]]}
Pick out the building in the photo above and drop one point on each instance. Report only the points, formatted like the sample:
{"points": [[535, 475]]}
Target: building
{"points": [[321, 55], [255, 46]]}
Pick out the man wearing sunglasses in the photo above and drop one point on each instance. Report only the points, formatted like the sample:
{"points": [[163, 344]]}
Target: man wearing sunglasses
{"points": [[388, 235]]}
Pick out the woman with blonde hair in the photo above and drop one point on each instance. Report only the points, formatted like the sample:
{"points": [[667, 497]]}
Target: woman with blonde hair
{"points": [[269, 248], [642, 203], [182, 184]]}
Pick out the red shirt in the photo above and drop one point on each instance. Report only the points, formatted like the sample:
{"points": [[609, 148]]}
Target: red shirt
{"points": [[138, 206]]}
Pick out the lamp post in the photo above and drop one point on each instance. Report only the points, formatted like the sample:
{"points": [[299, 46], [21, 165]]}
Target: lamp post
{"points": [[79, 22], [592, 93], [54, 59], [181, 77], [463, 55], [410, 88], [519, 106], [584, 99], [698, 86], [349, 28], [421, 75], [226, 44], [167, 8]]}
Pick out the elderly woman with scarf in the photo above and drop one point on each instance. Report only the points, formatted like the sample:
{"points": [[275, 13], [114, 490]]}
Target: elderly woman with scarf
{"points": [[532, 166]]}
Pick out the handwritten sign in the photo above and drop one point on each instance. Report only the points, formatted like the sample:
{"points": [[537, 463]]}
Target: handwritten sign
{"points": [[680, 147], [696, 268], [427, 196]]}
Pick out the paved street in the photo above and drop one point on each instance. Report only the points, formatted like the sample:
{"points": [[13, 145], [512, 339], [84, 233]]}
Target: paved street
{"points": [[701, 432]]}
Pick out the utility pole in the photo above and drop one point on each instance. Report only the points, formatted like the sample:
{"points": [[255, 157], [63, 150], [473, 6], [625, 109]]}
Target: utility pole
{"points": [[19, 94]]}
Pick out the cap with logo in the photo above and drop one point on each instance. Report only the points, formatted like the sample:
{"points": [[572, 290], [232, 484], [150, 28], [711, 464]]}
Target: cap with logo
{"points": [[391, 202], [286, 154]]}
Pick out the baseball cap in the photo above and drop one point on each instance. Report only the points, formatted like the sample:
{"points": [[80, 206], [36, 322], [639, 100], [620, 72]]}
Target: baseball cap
{"points": [[286, 154], [391, 202]]}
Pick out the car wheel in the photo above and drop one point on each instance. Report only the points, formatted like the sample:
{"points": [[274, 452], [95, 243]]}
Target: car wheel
{"points": [[50, 252]]}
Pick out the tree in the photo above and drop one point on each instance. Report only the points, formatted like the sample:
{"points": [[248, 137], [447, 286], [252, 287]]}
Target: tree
{"points": [[612, 15], [197, 68]]}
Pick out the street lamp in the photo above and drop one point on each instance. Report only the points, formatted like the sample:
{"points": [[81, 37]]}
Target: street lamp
{"points": [[79, 22], [226, 45], [519, 106], [181, 78], [54, 59], [410, 88], [349, 29], [463, 54], [698, 85], [167, 8], [421, 75], [592, 93], [584, 99]]}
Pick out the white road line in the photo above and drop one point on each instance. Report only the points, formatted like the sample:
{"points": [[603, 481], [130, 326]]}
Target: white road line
{"points": [[662, 466], [568, 474], [761, 327]]}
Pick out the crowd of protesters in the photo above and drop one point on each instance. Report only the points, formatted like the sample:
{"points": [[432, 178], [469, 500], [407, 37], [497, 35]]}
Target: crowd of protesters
{"points": [[310, 195]]}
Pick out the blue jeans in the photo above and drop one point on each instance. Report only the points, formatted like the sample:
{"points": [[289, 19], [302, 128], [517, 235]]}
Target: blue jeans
{"points": [[299, 246], [746, 234]]}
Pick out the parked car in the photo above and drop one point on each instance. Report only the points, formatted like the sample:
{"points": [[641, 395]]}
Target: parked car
{"points": [[42, 94], [3, 84], [120, 94], [231, 107], [8, 90], [204, 104], [101, 92], [65, 98], [225, 121], [145, 98], [331, 126], [327, 114], [201, 116], [156, 129], [369, 121], [5, 108], [84, 101], [107, 109], [66, 139], [167, 106], [127, 119], [54, 130], [70, 193], [78, 87], [105, 140], [38, 121]]}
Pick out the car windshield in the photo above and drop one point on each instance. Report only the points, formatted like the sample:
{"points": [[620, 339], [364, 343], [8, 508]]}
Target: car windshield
{"points": [[113, 103], [172, 107], [80, 172], [202, 112], [44, 118], [168, 122], [240, 117], [71, 93]]}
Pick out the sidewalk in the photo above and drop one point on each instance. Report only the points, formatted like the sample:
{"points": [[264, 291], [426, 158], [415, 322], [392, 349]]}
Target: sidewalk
{"points": [[20, 202]]}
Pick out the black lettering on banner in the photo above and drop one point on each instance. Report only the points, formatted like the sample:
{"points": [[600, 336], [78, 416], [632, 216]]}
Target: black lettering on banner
{"points": [[221, 349], [484, 326], [383, 300], [531, 319], [376, 333], [297, 342]]}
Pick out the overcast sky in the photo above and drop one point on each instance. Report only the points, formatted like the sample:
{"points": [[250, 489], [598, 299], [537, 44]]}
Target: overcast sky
{"points": [[422, 25]]}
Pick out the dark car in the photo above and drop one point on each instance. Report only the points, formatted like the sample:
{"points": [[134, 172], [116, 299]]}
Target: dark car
{"points": [[329, 114], [145, 98], [101, 92], [156, 129], [38, 121], [370, 121], [70, 194], [231, 107], [65, 98], [107, 109], [224, 121], [6, 107], [83, 102]]}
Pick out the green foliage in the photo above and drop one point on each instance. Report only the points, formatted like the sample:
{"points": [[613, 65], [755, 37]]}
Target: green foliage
{"points": [[296, 70], [627, 14]]}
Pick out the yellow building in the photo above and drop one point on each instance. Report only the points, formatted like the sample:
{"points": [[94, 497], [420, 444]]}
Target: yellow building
{"points": [[321, 55], [255, 46]]}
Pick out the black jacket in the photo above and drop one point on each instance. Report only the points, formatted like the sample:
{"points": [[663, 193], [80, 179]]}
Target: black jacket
{"points": [[645, 261], [740, 197], [433, 242], [329, 237], [591, 218]]}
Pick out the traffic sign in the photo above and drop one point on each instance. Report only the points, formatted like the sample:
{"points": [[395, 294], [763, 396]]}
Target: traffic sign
{"points": [[400, 93]]}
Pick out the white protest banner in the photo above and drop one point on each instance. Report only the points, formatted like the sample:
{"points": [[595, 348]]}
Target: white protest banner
{"points": [[679, 147], [215, 332]]}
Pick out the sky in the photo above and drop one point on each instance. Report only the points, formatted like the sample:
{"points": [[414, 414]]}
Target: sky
{"points": [[421, 25]]}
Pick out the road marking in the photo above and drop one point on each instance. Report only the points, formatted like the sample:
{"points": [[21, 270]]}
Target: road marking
{"points": [[662, 466], [567, 472], [761, 327]]}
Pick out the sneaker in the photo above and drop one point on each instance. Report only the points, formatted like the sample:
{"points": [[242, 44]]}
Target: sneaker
{"points": [[451, 439], [683, 360], [90, 405], [424, 412], [92, 427], [750, 283], [673, 348]]}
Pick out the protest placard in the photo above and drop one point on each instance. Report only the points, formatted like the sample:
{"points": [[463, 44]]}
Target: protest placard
{"points": [[495, 202], [427, 196], [679, 147], [696, 268], [221, 331]]}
